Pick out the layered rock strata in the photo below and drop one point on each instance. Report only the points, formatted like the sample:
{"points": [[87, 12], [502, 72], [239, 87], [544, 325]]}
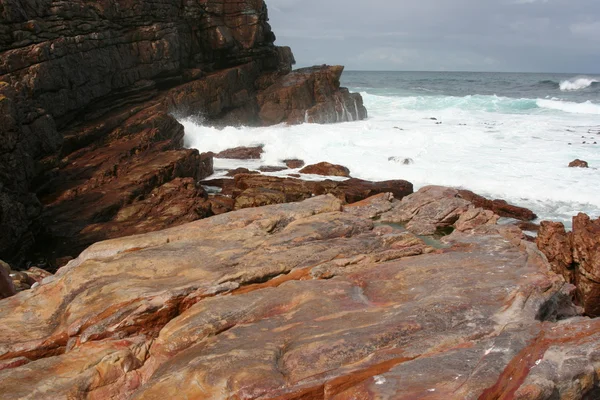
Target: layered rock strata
{"points": [[304, 300], [88, 91], [253, 190], [576, 256]]}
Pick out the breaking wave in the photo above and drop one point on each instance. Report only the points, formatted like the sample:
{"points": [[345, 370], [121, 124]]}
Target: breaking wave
{"points": [[578, 83]]}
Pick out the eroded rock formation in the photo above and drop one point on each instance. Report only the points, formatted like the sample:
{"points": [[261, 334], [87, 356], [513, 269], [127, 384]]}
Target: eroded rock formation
{"points": [[304, 300], [88, 95], [576, 256]]}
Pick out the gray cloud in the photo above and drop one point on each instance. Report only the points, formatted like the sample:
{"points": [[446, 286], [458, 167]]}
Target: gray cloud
{"points": [[482, 35]]}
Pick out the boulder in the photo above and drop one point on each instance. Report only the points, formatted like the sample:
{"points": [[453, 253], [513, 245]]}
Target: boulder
{"points": [[578, 164], [326, 169], [242, 153], [293, 163]]}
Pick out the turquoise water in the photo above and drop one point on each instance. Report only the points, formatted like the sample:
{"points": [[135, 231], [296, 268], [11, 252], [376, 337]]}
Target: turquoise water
{"points": [[506, 92]]}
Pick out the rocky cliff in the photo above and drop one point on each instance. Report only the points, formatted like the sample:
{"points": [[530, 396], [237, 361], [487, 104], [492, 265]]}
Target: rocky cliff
{"points": [[89, 92]]}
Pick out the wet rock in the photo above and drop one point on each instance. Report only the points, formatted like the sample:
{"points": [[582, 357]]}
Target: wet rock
{"points": [[310, 95], [500, 207], [236, 171], [326, 169], [241, 153], [578, 163], [293, 163], [271, 168]]}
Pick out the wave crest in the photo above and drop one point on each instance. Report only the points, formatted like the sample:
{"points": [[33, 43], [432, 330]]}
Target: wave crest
{"points": [[577, 84]]}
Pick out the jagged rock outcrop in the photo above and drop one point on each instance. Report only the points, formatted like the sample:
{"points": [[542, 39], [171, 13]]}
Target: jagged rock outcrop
{"points": [[88, 91], [576, 256], [302, 300], [310, 95]]}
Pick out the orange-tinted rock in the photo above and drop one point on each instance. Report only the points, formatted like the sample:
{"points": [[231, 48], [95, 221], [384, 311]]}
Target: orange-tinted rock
{"points": [[326, 169], [575, 255], [556, 244], [500, 207], [241, 153], [578, 164], [586, 254], [299, 301]]}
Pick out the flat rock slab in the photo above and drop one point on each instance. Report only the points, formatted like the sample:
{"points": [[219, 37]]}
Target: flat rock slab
{"points": [[300, 300]]}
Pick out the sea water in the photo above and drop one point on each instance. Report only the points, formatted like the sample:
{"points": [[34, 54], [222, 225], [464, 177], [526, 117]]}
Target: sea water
{"points": [[508, 136]]}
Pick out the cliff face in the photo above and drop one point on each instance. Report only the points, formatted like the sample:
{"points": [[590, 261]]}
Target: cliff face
{"points": [[87, 94]]}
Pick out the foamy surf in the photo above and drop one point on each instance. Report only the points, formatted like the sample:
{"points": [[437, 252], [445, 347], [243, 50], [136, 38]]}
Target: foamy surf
{"points": [[517, 149], [577, 84]]}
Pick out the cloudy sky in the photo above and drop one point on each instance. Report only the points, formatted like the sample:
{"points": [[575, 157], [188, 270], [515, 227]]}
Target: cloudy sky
{"points": [[434, 35]]}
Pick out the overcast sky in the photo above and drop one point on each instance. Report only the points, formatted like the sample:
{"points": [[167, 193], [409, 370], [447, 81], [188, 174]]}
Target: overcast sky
{"points": [[434, 35]]}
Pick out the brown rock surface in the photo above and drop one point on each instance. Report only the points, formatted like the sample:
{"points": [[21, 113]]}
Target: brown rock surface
{"points": [[241, 153], [326, 169], [300, 301], [578, 164], [500, 207], [88, 91], [575, 255], [7, 287], [310, 95], [437, 210], [293, 164], [279, 190]]}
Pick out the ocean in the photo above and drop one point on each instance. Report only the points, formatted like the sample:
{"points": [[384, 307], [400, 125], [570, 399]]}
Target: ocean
{"points": [[502, 135]]}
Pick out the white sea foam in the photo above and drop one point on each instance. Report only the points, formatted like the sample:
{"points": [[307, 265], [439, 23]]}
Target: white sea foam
{"points": [[519, 157], [576, 108], [577, 84]]}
